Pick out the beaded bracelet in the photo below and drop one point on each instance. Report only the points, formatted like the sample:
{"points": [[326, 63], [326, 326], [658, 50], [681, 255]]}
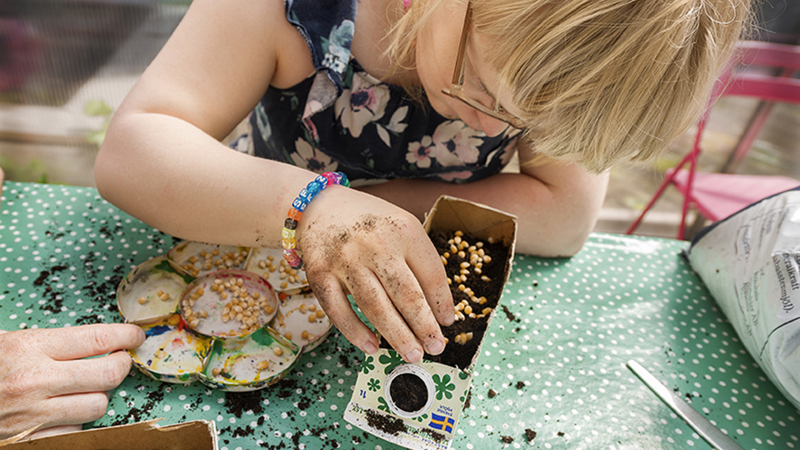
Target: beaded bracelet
{"points": [[296, 211]]}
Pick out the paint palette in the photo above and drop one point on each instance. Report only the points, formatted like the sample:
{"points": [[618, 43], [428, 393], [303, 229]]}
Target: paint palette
{"points": [[209, 319]]}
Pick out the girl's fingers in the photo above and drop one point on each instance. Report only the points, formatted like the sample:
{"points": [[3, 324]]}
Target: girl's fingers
{"points": [[427, 268], [405, 294], [63, 344], [371, 297], [89, 375], [333, 300]]}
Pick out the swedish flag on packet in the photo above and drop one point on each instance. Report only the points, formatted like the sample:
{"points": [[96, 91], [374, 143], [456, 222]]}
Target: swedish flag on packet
{"points": [[442, 423]]}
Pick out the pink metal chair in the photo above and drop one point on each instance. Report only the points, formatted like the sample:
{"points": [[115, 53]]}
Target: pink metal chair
{"points": [[718, 195]]}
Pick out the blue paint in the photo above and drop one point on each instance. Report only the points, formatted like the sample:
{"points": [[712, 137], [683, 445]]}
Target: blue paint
{"points": [[157, 330]]}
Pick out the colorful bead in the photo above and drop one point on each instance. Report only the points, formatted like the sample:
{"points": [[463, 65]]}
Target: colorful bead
{"points": [[295, 214], [305, 195], [288, 241], [299, 204], [323, 181], [314, 188], [289, 244]]}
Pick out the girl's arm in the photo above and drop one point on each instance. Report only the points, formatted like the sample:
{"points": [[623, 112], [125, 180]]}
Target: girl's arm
{"points": [[162, 162], [557, 204]]}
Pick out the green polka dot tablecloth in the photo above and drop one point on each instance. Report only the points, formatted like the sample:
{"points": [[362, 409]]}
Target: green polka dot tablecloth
{"points": [[553, 362]]}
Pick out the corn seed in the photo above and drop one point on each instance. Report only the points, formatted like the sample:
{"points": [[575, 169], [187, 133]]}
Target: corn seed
{"points": [[262, 365], [278, 351]]}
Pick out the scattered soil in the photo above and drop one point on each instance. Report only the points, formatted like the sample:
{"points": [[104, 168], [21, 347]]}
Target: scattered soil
{"points": [[530, 435], [509, 315], [409, 392], [238, 403], [387, 424], [492, 393], [507, 439]]}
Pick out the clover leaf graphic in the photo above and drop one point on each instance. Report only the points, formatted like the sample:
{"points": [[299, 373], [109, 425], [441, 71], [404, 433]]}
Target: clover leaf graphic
{"points": [[443, 387], [366, 365], [374, 385], [392, 360], [383, 405]]}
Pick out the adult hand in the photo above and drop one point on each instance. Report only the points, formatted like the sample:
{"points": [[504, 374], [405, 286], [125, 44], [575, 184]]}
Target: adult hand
{"points": [[356, 243], [45, 382]]}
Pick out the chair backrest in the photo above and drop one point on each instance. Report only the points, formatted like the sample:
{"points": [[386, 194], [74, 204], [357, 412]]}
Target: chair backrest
{"points": [[774, 82], [760, 70]]}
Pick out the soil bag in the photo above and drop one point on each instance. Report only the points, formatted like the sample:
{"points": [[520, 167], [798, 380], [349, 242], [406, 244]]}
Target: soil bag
{"points": [[750, 263]]}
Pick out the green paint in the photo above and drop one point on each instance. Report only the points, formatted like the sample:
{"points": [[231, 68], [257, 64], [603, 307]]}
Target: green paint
{"points": [[165, 266], [262, 338]]}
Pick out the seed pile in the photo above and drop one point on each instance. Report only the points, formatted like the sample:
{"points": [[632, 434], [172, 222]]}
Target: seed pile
{"points": [[242, 306], [286, 273], [475, 272], [214, 260]]}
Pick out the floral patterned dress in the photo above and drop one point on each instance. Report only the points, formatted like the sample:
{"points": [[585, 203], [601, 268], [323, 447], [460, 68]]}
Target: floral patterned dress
{"points": [[342, 118]]}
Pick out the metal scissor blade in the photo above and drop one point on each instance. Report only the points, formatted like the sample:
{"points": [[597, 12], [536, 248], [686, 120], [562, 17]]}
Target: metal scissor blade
{"points": [[700, 424]]}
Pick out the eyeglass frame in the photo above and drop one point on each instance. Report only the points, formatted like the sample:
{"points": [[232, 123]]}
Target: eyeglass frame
{"points": [[456, 90]]}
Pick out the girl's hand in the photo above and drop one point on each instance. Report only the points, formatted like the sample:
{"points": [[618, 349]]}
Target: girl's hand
{"points": [[46, 383], [354, 243]]}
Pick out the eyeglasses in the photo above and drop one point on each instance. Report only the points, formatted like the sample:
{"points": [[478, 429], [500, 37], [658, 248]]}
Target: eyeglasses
{"points": [[457, 88]]}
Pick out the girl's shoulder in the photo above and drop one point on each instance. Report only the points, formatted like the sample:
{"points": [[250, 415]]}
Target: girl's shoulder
{"points": [[336, 30]]}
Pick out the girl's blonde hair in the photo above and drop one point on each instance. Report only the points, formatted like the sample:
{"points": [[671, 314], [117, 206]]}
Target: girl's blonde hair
{"points": [[599, 81]]}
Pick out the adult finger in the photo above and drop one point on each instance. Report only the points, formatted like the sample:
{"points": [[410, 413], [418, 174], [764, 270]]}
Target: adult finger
{"points": [[333, 300], [405, 293], [427, 267], [75, 409], [64, 344], [371, 297], [90, 375], [52, 431]]}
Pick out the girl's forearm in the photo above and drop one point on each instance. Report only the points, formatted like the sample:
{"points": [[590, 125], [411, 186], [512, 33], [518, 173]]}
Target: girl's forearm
{"points": [[552, 220], [172, 176]]}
